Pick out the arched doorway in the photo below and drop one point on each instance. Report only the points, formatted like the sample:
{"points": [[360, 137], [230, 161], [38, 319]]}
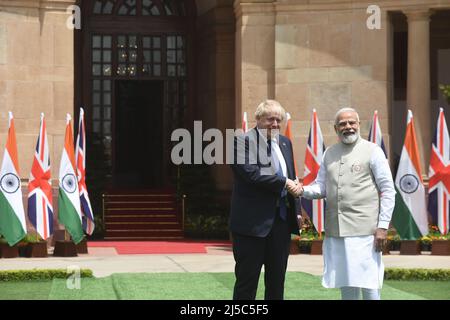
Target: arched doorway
{"points": [[134, 60]]}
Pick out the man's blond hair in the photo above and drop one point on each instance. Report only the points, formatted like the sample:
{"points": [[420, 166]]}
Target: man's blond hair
{"points": [[269, 106]]}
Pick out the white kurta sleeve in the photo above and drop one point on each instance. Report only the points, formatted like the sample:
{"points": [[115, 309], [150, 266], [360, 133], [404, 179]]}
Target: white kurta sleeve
{"points": [[317, 189], [383, 178]]}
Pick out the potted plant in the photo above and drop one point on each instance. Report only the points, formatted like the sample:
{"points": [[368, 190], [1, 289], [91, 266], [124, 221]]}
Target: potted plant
{"points": [[425, 243], [393, 241], [445, 89], [441, 246], [33, 247], [312, 240], [440, 243], [305, 245]]}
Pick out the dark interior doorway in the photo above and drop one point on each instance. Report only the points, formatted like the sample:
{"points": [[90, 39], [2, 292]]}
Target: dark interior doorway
{"points": [[138, 132]]}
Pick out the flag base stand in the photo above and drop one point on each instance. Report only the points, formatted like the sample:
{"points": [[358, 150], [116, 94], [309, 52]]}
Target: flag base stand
{"points": [[82, 246], [409, 247], [440, 247], [65, 248], [8, 252], [387, 248], [36, 250], [294, 247], [316, 247]]}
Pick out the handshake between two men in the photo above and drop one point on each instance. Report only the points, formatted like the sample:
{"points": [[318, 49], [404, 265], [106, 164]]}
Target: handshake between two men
{"points": [[294, 187]]}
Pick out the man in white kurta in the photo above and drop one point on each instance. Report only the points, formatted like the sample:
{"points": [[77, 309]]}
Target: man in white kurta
{"points": [[356, 181]]}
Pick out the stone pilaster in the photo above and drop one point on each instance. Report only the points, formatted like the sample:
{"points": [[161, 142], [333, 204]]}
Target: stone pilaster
{"points": [[255, 55], [418, 78], [36, 74]]}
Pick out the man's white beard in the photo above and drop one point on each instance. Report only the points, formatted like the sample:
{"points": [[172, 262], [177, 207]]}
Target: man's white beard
{"points": [[349, 139]]}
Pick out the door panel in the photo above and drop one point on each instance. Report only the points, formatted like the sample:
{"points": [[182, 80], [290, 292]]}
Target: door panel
{"points": [[138, 128]]}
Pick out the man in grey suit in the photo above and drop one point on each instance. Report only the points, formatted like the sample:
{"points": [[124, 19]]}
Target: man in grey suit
{"points": [[356, 180]]}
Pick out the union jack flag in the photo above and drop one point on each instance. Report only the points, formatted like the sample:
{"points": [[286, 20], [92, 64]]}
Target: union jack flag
{"points": [[375, 134], [88, 217], [40, 207], [439, 174], [313, 157]]}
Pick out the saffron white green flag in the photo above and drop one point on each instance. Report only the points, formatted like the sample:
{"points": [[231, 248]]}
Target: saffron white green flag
{"points": [[410, 213], [12, 215], [69, 209], [244, 122]]}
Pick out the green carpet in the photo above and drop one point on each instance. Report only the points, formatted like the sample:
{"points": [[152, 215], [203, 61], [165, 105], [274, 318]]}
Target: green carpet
{"points": [[433, 290], [202, 286], [25, 290]]}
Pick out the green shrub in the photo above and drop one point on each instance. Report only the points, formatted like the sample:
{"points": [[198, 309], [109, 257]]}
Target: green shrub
{"points": [[205, 216], [206, 227], [417, 274], [445, 89], [40, 274], [31, 238]]}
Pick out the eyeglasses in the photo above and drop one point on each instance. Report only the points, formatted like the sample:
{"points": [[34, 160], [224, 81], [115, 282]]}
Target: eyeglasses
{"points": [[344, 123]]}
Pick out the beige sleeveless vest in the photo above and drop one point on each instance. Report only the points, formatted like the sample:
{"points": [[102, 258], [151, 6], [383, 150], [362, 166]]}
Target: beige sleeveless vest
{"points": [[353, 203]]}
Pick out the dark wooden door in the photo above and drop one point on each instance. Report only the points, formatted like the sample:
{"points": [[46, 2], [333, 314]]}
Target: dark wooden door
{"points": [[138, 127], [126, 43]]}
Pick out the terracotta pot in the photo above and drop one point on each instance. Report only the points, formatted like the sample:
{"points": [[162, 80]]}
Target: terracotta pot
{"points": [[440, 247]]}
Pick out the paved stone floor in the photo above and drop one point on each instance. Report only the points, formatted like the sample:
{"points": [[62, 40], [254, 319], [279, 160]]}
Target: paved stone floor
{"points": [[105, 261]]}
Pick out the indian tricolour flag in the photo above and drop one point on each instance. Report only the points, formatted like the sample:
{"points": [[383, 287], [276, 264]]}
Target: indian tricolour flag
{"points": [[12, 215], [410, 213], [244, 122], [288, 133], [69, 209]]}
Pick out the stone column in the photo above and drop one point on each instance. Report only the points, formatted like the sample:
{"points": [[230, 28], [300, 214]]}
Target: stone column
{"points": [[255, 55], [418, 79]]}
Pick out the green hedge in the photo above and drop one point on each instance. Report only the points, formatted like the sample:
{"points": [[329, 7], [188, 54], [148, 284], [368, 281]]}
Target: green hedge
{"points": [[416, 274], [40, 274]]}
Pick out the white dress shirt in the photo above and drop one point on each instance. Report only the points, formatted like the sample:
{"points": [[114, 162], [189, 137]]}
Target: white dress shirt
{"points": [[276, 148]]}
